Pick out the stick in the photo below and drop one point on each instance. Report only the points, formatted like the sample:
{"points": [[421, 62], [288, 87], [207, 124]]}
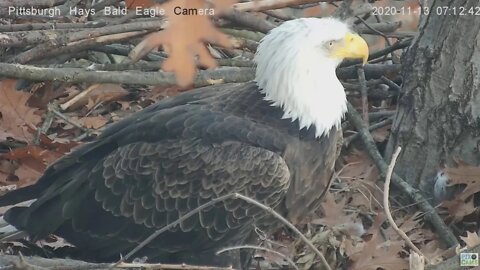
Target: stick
{"points": [[22, 38], [292, 263], [38, 263], [49, 50], [386, 207], [273, 4], [249, 20], [219, 199], [52, 108], [77, 75], [348, 140], [363, 92], [76, 98], [430, 214], [226, 74]]}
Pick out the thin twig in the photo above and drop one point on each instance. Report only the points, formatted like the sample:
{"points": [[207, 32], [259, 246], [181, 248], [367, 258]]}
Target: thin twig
{"points": [[348, 140], [391, 84], [292, 263], [78, 97], [430, 214], [395, 46], [12, 262], [76, 75], [249, 20], [168, 266], [363, 92], [289, 225], [220, 199], [375, 30], [273, 4], [68, 120], [386, 207], [47, 123]]}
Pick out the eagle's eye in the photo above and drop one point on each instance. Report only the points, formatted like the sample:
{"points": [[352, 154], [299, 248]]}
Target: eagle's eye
{"points": [[330, 43]]}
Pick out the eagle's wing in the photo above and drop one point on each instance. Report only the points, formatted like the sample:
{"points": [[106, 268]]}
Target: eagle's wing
{"points": [[140, 187]]}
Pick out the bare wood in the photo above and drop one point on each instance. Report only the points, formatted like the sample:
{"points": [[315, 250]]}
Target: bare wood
{"points": [[453, 262], [62, 36], [249, 20], [445, 234], [292, 263], [239, 72], [363, 92], [220, 199], [375, 28], [273, 4], [440, 96], [416, 262], [38, 263], [29, 3], [386, 206], [76, 75], [49, 26], [76, 98], [53, 109], [49, 50]]}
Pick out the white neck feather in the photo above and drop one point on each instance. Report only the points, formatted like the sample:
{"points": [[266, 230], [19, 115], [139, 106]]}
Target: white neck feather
{"points": [[295, 74]]}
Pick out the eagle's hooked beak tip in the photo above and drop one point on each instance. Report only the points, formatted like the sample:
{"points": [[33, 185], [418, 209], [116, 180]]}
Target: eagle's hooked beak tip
{"points": [[354, 47]]}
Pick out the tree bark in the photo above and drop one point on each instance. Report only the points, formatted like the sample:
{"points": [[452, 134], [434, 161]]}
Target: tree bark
{"points": [[438, 114]]}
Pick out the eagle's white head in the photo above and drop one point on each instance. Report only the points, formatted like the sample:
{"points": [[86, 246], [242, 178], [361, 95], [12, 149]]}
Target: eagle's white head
{"points": [[296, 65]]}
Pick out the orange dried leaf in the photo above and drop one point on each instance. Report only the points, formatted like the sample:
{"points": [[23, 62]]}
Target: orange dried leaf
{"points": [[183, 44], [333, 212], [55, 145], [375, 253], [27, 164], [458, 208], [43, 93], [132, 4], [359, 166], [15, 115], [93, 122], [28, 151], [467, 175]]}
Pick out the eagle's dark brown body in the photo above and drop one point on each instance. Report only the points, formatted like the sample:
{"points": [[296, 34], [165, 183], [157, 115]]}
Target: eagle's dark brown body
{"points": [[153, 167]]}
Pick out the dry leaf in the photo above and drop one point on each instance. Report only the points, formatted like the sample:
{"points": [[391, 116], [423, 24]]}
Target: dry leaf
{"points": [[458, 208], [181, 43], [103, 92], [28, 164], [359, 166], [15, 115], [43, 93], [472, 240], [93, 122], [334, 216], [132, 4], [467, 175], [375, 253], [381, 134]]}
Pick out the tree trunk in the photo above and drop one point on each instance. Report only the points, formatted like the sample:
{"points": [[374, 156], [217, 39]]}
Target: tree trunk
{"points": [[438, 114]]}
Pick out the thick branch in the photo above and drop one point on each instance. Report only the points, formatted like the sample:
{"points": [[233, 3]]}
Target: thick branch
{"points": [[76, 75], [430, 214], [17, 262], [23, 38]]}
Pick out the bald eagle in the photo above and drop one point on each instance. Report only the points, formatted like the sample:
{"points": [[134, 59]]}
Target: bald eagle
{"points": [[273, 139]]}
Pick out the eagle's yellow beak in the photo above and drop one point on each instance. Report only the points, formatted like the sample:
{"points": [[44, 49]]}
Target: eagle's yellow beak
{"points": [[353, 46]]}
